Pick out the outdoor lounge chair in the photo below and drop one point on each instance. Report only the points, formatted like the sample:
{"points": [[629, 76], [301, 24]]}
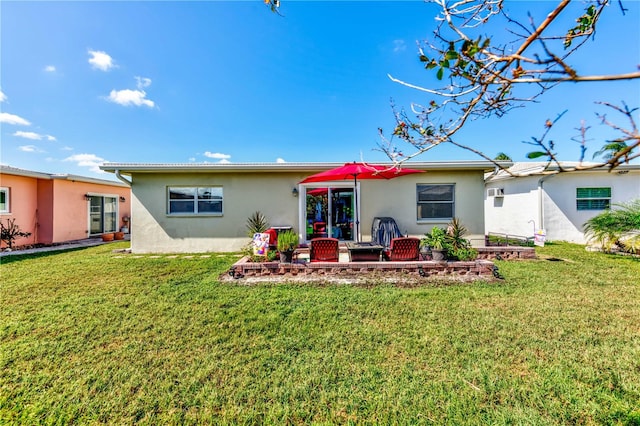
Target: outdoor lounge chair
{"points": [[403, 249], [324, 250]]}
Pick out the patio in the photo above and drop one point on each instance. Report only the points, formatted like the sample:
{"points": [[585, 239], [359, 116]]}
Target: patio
{"points": [[481, 268]]}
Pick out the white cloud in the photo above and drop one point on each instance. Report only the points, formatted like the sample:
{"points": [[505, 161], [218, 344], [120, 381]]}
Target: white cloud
{"points": [[29, 148], [399, 46], [224, 161], [217, 155], [100, 60], [90, 161], [7, 118], [66, 148], [3, 97], [128, 97], [143, 82], [28, 135], [33, 136], [280, 160], [50, 68]]}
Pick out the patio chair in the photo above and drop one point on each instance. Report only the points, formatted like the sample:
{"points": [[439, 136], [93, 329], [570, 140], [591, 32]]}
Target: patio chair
{"points": [[324, 250], [319, 230], [403, 249], [273, 238]]}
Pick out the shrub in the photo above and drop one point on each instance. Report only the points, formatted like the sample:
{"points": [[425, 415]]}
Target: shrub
{"points": [[287, 241], [464, 253], [616, 228], [436, 239], [256, 224], [10, 233]]}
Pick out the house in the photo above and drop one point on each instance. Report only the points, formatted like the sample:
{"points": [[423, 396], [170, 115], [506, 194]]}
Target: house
{"points": [[56, 208], [204, 207], [558, 203]]}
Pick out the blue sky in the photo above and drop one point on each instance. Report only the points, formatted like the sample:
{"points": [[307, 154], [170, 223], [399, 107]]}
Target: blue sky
{"points": [[208, 81]]}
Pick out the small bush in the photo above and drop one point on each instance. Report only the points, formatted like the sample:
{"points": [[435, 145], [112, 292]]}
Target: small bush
{"points": [[10, 233]]}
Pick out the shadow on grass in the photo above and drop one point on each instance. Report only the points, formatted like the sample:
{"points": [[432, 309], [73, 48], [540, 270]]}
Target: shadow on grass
{"points": [[19, 257]]}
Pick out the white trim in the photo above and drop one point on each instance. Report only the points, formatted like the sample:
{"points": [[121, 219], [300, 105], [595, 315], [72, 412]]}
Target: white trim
{"points": [[195, 200], [7, 199], [117, 212], [302, 204]]}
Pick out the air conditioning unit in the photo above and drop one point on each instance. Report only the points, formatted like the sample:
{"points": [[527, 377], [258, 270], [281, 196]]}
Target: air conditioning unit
{"points": [[495, 192]]}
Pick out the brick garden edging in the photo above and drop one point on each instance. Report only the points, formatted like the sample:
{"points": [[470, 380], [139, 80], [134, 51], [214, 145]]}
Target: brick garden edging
{"points": [[506, 252], [478, 269]]}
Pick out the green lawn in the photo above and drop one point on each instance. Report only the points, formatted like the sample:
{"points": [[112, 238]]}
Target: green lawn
{"points": [[90, 336]]}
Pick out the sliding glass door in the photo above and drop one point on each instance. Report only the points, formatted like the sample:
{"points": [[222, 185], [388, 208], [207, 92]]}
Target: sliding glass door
{"points": [[102, 214], [329, 212]]}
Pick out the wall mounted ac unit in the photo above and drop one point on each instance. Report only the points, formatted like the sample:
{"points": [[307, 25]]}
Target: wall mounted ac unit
{"points": [[495, 192]]}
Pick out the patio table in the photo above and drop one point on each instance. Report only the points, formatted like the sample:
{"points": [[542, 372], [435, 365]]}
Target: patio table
{"points": [[364, 252]]}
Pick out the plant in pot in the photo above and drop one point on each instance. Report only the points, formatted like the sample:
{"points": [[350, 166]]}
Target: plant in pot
{"points": [[287, 243], [459, 247], [438, 241]]}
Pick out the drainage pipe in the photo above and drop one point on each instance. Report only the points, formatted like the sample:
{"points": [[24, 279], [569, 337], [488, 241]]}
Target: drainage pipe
{"points": [[122, 178], [541, 182]]}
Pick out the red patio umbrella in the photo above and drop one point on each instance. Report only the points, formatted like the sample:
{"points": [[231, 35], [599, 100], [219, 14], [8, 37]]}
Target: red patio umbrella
{"points": [[359, 171]]}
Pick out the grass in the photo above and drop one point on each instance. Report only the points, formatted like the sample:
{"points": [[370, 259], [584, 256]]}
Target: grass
{"points": [[93, 337]]}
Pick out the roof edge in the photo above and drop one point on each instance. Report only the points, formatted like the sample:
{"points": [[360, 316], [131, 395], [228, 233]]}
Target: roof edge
{"points": [[128, 168]]}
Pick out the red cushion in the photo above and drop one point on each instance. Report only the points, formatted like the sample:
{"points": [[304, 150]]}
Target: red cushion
{"points": [[403, 249], [324, 250]]}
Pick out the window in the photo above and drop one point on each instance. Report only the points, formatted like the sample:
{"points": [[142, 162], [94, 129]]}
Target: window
{"points": [[593, 198], [435, 201], [195, 200], [4, 200]]}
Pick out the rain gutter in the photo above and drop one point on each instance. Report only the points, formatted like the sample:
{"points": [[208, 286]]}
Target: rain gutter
{"points": [[122, 178]]}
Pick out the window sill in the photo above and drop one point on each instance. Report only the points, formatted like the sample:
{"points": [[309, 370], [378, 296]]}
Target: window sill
{"points": [[183, 215]]}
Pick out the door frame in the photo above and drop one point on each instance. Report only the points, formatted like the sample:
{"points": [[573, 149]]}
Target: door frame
{"points": [[117, 212], [302, 204]]}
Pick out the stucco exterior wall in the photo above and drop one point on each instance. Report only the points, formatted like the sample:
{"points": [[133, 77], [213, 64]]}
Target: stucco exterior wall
{"points": [[71, 209], [154, 230], [55, 209], [513, 213], [271, 193], [397, 198], [23, 205], [561, 219]]}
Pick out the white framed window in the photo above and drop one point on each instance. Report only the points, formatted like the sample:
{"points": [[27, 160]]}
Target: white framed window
{"points": [[435, 201], [593, 198], [4, 200], [194, 200]]}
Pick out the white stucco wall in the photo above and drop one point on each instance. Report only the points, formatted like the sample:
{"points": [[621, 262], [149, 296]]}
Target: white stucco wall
{"points": [[561, 219], [153, 230], [513, 213]]}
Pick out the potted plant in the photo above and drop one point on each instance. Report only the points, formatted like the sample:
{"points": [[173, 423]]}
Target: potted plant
{"points": [[437, 240], [459, 248], [287, 243]]}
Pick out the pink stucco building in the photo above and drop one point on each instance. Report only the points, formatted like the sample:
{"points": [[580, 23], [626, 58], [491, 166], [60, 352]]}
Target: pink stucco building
{"points": [[57, 208]]}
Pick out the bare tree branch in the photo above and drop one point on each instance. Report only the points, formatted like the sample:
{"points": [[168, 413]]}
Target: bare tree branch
{"points": [[482, 78]]}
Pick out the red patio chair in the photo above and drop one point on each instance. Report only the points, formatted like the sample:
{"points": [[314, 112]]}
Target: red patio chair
{"points": [[403, 249], [319, 230], [273, 238], [324, 250]]}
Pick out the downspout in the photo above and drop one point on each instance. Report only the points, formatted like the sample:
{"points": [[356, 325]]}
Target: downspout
{"points": [[122, 178], [541, 182]]}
